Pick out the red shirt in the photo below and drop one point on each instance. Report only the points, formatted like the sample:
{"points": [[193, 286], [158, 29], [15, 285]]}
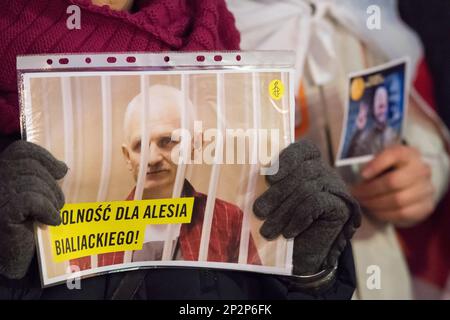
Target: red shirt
{"points": [[224, 240]]}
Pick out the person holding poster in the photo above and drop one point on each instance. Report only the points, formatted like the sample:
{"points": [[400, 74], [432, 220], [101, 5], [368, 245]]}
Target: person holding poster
{"points": [[403, 183], [321, 251]]}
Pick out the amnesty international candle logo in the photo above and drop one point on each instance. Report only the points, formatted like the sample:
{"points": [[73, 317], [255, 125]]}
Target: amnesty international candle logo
{"points": [[276, 89], [94, 228], [357, 88]]}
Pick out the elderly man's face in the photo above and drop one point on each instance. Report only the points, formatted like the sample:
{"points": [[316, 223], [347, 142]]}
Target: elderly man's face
{"points": [[160, 171], [381, 105], [361, 119]]}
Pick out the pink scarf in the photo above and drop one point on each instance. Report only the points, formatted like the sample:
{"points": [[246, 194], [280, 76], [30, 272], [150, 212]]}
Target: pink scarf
{"points": [[39, 27]]}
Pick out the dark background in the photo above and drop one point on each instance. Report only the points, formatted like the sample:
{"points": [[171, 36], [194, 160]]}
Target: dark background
{"points": [[431, 20]]}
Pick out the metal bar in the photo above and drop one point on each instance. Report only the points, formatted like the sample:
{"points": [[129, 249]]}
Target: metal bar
{"points": [[66, 92], [253, 172], [287, 139], [107, 138], [106, 146], [212, 188], [68, 131], [144, 139], [173, 230], [80, 150], [145, 150]]}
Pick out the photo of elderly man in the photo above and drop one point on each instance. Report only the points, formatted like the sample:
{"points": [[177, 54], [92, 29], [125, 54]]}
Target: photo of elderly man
{"points": [[163, 119]]}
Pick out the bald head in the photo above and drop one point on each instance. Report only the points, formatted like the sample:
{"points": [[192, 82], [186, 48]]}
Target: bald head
{"points": [[165, 103], [163, 119], [381, 105]]}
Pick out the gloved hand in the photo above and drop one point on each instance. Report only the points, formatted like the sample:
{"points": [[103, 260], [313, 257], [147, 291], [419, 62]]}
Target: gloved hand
{"points": [[28, 193], [308, 201]]}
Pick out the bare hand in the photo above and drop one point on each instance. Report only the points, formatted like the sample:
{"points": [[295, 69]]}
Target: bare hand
{"points": [[397, 187]]}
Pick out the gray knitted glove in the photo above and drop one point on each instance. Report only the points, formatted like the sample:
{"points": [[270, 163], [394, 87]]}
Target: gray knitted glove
{"points": [[28, 193], [308, 201]]}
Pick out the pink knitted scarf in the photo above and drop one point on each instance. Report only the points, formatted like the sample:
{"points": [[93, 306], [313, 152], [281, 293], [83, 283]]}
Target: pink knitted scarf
{"points": [[39, 26]]}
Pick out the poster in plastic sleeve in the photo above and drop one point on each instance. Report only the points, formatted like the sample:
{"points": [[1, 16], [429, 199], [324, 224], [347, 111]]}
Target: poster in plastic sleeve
{"points": [[166, 155]]}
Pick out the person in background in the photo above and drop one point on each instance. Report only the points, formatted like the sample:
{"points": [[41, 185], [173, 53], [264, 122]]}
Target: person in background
{"points": [[426, 244], [403, 184]]}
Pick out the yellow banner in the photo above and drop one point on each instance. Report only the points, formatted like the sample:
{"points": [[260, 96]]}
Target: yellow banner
{"points": [[101, 227]]}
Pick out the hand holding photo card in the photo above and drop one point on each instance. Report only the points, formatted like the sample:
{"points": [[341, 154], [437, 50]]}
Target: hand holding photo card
{"points": [[375, 113], [165, 157]]}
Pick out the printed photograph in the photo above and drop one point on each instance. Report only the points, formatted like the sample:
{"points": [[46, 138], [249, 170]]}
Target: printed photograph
{"points": [[375, 113], [142, 136]]}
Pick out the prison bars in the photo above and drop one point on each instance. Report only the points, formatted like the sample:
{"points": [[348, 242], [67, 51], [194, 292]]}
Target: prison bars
{"points": [[46, 111], [107, 150], [106, 138], [287, 139]]}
